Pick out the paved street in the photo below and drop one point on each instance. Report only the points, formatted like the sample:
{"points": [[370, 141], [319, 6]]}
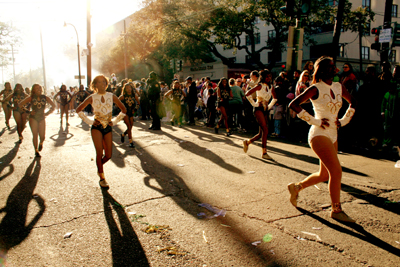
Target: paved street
{"points": [[158, 187]]}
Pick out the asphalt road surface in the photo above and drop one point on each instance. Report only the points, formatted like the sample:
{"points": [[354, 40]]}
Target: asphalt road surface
{"points": [[53, 212]]}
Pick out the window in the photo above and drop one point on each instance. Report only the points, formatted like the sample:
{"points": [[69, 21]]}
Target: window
{"points": [[366, 3], [252, 60], [248, 42], [257, 39], [392, 56], [332, 2], [341, 50], [232, 60], [256, 20], [278, 57], [394, 11], [271, 34], [365, 52], [367, 29]]}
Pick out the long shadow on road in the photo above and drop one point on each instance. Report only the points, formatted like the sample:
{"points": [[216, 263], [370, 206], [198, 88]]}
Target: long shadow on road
{"points": [[360, 233], [125, 245], [6, 161], [14, 228]]}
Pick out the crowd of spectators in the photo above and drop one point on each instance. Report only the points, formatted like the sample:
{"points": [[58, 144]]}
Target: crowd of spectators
{"points": [[375, 126]]}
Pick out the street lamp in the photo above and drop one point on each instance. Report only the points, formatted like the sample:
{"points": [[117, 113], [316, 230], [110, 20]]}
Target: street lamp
{"points": [[79, 61]]}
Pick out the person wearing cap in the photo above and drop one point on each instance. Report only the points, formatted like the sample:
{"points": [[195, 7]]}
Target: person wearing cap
{"points": [[191, 98], [154, 98]]}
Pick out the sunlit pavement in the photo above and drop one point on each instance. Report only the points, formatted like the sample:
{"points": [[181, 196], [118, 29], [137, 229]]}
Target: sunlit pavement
{"points": [[53, 212]]}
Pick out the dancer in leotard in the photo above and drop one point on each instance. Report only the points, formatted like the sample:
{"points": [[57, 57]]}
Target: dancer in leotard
{"points": [[37, 117], [65, 98], [176, 94], [131, 101], [326, 97], [261, 108], [224, 92], [20, 114], [102, 103], [7, 106], [81, 95]]}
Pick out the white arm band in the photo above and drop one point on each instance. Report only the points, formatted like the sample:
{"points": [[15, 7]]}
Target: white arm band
{"points": [[305, 116], [272, 103], [347, 116], [85, 118], [118, 118], [251, 100]]}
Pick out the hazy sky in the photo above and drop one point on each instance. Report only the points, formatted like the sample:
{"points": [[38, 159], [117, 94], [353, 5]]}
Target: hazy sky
{"points": [[49, 15]]}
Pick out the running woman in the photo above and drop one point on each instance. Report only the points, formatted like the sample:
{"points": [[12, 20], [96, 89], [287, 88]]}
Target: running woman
{"points": [[37, 117], [20, 114], [326, 97], [224, 92], [102, 103], [64, 102], [7, 106], [261, 109], [175, 95], [131, 101]]}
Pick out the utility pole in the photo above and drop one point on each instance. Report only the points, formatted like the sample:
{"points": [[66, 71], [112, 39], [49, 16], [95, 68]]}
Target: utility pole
{"points": [[44, 69], [387, 20], [124, 34], [89, 44], [360, 36], [13, 60]]}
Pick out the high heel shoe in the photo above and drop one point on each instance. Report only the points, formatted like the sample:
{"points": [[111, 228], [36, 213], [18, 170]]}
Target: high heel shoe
{"points": [[216, 129]]}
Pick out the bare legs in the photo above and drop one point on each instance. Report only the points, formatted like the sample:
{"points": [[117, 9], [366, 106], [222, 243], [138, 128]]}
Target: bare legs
{"points": [[20, 120], [7, 112], [262, 120], [129, 123], [224, 117], [38, 129], [64, 110], [102, 143], [330, 170]]}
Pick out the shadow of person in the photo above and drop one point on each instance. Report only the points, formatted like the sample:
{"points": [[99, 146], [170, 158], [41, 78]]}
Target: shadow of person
{"points": [[6, 161], [362, 233], [62, 136], [125, 245], [211, 156], [14, 227]]}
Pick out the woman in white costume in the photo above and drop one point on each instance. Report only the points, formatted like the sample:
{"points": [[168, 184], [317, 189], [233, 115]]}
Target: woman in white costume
{"points": [[102, 103], [261, 109], [326, 97]]}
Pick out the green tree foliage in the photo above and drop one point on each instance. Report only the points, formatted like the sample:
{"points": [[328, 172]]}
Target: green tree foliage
{"points": [[193, 30]]}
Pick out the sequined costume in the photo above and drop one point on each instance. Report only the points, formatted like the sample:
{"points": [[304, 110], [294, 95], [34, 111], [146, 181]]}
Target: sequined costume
{"points": [[38, 107], [80, 97], [102, 111], [64, 98], [130, 104], [224, 100], [18, 98], [327, 106]]}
